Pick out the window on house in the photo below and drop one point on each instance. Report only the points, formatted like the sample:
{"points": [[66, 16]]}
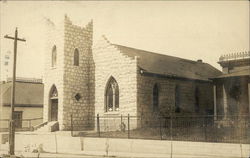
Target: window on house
{"points": [[112, 96], [18, 116], [177, 99], [155, 97], [53, 61], [7, 57], [197, 104], [76, 57]]}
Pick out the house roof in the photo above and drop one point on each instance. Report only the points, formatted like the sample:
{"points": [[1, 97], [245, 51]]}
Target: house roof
{"points": [[27, 94], [238, 73], [169, 65]]}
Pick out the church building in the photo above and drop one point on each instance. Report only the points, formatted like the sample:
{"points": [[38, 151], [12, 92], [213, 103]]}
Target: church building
{"points": [[83, 80]]}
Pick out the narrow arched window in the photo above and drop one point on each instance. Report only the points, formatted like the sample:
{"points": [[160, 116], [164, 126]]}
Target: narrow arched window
{"points": [[112, 96], [197, 103], [53, 92], [53, 56], [155, 97], [177, 99], [76, 57]]}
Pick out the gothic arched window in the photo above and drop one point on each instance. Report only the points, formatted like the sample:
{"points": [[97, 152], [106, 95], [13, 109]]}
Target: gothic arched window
{"points": [[53, 92], [177, 99], [197, 103], [76, 57], [112, 96], [53, 57], [155, 97]]}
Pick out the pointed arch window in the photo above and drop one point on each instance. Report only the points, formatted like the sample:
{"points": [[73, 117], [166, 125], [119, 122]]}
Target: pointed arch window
{"points": [[112, 96], [155, 97], [53, 57], [177, 99], [53, 92], [76, 57], [197, 102]]}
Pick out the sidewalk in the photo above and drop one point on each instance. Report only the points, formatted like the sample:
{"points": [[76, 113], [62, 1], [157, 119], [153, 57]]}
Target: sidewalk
{"points": [[101, 155], [52, 155], [61, 144]]}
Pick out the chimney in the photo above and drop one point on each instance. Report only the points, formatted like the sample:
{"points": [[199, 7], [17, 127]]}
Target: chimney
{"points": [[199, 61]]}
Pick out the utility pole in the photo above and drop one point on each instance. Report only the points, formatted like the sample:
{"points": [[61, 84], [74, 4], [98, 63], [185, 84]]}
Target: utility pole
{"points": [[12, 123]]}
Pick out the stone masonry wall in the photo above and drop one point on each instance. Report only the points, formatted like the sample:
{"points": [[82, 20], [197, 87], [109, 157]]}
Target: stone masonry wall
{"points": [[76, 78], [69, 79], [53, 75], [167, 97], [109, 61]]}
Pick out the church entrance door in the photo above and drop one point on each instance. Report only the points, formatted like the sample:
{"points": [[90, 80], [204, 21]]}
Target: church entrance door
{"points": [[53, 104], [54, 109]]}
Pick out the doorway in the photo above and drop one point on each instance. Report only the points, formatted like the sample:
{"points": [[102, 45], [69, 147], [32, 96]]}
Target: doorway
{"points": [[53, 104], [18, 117], [54, 109]]}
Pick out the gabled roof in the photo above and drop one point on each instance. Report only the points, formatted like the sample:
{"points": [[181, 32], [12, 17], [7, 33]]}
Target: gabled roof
{"points": [[27, 94], [169, 65]]}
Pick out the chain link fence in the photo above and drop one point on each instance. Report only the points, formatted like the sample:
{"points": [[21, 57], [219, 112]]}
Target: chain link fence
{"points": [[233, 129]]}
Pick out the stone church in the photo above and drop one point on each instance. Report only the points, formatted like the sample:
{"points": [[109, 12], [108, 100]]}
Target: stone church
{"points": [[83, 80]]}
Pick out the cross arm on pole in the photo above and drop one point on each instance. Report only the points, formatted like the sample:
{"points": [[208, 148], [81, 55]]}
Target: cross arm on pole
{"points": [[13, 38]]}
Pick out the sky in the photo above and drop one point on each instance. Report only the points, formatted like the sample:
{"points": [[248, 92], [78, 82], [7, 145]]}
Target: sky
{"points": [[187, 29]]}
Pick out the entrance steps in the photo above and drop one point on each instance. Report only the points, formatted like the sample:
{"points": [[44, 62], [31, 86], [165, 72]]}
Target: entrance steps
{"points": [[49, 127]]}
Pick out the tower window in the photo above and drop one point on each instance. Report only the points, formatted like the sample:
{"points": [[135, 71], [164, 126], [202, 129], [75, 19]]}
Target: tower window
{"points": [[53, 58], [76, 57], [112, 96]]}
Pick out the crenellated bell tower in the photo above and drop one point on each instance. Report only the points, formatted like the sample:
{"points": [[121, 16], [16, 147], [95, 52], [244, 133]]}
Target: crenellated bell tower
{"points": [[68, 75]]}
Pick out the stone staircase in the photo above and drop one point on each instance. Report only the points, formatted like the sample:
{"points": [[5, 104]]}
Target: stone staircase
{"points": [[48, 127]]}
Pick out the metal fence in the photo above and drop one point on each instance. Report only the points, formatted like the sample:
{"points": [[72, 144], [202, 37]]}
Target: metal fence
{"points": [[233, 129], [20, 125]]}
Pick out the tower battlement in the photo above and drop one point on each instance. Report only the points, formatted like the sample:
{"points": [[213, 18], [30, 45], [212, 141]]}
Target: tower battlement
{"points": [[69, 72]]}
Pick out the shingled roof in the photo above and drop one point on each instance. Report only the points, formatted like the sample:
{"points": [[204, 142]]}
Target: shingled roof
{"points": [[27, 94], [170, 66]]}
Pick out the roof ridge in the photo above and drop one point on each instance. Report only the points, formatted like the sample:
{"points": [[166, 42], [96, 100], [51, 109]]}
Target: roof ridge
{"points": [[166, 64], [146, 51]]}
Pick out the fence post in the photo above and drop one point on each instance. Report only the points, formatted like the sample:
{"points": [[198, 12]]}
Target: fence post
{"points": [[160, 128], [98, 125], [205, 122], [171, 130], [171, 134], [71, 123], [128, 127], [215, 135], [141, 119], [30, 125], [121, 121]]}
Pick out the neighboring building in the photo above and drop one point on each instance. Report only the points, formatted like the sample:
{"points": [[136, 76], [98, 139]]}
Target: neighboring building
{"points": [[112, 80], [232, 95], [5, 65], [28, 102]]}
